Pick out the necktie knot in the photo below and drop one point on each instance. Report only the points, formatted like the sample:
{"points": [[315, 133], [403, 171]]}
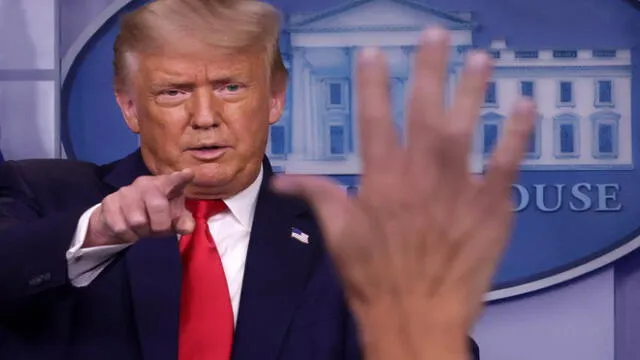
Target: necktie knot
{"points": [[204, 209]]}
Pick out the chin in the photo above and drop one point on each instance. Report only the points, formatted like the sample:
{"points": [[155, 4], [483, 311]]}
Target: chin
{"points": [[211, 175], [209, 184], [220, 178]]}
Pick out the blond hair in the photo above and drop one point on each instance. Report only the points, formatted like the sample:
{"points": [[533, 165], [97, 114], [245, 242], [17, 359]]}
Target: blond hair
{"points": [[235, 26]]}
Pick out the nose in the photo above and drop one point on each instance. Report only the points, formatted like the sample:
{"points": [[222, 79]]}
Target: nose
{"points": [[204, 109]]}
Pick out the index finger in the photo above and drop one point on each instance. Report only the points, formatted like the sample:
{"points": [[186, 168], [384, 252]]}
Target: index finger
{"points": [[173, 185]]}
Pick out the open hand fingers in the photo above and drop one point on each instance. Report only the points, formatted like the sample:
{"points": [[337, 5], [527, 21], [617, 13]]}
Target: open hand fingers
{"points": [[506, 159], [468, 99], [379, 140], [426, 102]]}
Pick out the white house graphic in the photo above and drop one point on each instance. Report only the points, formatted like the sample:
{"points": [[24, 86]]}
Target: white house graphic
{"points": [[583, 95]]}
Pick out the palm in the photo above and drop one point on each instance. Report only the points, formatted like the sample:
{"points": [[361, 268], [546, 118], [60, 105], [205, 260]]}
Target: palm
{"points": [[419, 210]]}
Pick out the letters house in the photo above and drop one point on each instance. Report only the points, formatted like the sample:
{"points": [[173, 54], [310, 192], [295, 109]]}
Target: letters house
{"points": [[583, 95]]}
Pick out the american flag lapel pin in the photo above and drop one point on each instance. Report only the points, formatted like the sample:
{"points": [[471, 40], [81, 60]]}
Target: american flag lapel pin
{"points": [[299, 235]]}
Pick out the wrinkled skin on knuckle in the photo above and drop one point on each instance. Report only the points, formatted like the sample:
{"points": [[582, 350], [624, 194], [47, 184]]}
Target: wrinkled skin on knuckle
{"points": [[109, 207], [136, 219], [157, 204], [110, 200], [118, 228], [142, 181]]}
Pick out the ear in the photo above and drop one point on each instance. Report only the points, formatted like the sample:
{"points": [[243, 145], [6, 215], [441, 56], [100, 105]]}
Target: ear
{"points": [[278, 97], [278, 83], [127, 106]]}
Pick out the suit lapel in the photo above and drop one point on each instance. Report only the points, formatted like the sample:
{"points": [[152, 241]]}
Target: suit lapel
{"points": [[276, 273], [154, 270]]}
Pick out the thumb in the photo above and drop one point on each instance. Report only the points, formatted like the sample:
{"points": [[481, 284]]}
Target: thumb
{"points": [[323, 194], [184, 224]]}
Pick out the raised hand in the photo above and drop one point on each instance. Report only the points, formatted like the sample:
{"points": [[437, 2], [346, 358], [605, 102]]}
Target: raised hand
{"points": [[417, 247], [152, 205]]}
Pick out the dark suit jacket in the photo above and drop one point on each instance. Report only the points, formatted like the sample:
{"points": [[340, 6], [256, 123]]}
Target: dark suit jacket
{"points": [[291, 308]]}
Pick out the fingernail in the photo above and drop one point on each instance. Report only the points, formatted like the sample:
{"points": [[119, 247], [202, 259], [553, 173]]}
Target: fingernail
{"points": [[434, 34], [478, 60], [369, 54]]}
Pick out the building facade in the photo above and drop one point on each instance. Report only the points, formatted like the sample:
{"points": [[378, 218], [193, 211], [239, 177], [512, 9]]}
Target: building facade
{"points": [[583, 95]]}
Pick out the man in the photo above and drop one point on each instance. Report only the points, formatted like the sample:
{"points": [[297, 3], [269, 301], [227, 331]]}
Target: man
{"points": [[182, 250]]}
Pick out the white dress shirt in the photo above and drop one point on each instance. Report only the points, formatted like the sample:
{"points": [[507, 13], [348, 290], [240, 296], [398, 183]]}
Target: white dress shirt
{"points": [[230, 231]]}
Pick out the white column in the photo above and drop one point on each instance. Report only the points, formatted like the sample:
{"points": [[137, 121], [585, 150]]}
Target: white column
{"points": [[316, 136], [352, 57], [300, 98]]}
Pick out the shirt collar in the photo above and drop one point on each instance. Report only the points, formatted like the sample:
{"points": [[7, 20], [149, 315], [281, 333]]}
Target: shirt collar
{"points": [[243, 204]]}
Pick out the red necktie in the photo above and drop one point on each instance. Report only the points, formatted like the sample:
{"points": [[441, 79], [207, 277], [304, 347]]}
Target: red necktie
{"points": [[206, 315]]}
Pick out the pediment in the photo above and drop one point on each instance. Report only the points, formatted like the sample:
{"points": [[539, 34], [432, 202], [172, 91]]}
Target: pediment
{"points": [[378, 14]]}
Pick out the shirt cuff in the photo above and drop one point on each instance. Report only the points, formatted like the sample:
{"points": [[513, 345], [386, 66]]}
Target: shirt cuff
{"points": [[84, 265]]}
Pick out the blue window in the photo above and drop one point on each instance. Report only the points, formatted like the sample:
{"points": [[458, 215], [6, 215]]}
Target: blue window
{"points": [[604, 53], [527, 88], [336, 139], [566, 136], [532, 143], [491, 96], [491, 127], [533, 151], [490, 137], [494, 54], [604, 92], [278, 139], [566, 93], [605, 134], [527, 54], [335, 94], [605, 138], [565, 54]]}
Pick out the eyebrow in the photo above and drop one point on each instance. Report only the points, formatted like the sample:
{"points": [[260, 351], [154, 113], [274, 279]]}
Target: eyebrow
{"points": [[163, 84], [188, 84]]}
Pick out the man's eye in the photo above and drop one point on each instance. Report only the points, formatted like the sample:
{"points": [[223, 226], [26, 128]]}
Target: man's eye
{"points": [[171, 92], [232, 87]]}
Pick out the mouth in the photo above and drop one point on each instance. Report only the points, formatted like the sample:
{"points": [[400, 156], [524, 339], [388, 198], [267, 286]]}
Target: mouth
{"points": [[208, 152], [207, 147]]}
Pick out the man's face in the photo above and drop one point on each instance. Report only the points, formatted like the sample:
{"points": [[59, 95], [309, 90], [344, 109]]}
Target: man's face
{"points": [[203, 110]]}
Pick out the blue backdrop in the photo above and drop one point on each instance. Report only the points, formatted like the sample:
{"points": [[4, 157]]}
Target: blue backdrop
{"points": [[547, 242]]}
